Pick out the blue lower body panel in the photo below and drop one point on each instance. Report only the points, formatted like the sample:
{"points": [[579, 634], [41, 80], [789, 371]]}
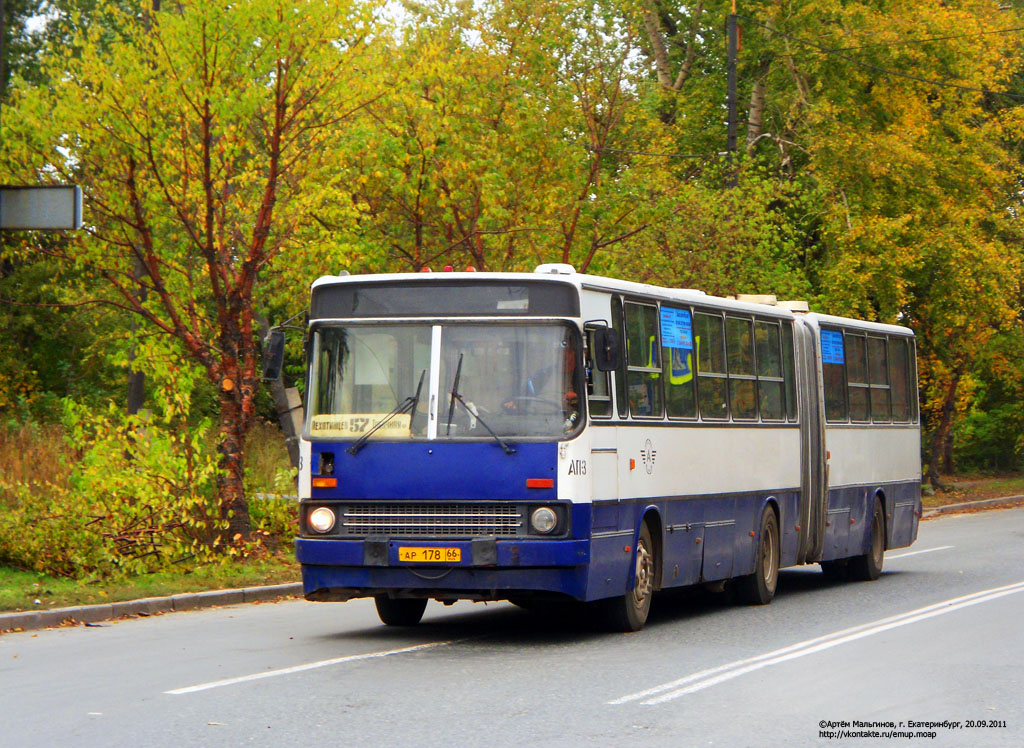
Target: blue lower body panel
{"points": [[848, 519], [490, 569]]}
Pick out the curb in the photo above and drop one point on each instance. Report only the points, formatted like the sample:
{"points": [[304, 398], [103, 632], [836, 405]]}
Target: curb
{"points": [[40, 619], [982, 504]]}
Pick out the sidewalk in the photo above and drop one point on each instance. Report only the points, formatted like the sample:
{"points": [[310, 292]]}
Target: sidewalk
{"points": [[32, 619], [41, 619]]}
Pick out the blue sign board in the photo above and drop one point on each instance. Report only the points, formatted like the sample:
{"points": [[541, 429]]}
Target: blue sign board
{"points": [[832, 347], [676, 328]]}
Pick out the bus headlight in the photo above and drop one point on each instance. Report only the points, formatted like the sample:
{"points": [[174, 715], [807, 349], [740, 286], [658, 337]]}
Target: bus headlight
{"points": [[321, 519], [543, 520]]}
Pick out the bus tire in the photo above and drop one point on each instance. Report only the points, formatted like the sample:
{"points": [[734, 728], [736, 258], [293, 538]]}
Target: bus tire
{"points": [[759, 588], [868, 567], [399, 611], [629, 612]]}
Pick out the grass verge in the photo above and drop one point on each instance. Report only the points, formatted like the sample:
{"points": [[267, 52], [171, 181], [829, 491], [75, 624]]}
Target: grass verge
{"points": [[26, 590], [967, 488]]}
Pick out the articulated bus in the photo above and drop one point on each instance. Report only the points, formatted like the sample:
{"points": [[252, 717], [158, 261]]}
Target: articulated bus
{"points": [[555, 435]]}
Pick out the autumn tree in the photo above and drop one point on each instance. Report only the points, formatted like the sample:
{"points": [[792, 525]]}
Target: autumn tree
{"points": [[201, 136]]}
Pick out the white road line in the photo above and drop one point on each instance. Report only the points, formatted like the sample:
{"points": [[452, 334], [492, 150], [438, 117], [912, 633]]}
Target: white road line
{"points": [[308, 666], [713, 676], [914, 553]]}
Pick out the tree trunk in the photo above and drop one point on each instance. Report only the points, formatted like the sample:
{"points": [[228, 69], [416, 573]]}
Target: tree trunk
{"points": [[231, 477], [758, 96], [942, 432]]}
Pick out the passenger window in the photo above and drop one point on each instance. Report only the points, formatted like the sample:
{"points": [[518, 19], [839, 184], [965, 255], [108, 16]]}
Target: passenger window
{"points": [[711, 376], [739, 347], [599, 396], [833, 370], [622, 402], [789, 371], [678, 362], [857, 375], [643, 354], [878, 371], [899, 379], [770, 382]]}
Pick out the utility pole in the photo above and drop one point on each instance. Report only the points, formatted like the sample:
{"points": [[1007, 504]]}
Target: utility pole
{"points": [[733, 41]]}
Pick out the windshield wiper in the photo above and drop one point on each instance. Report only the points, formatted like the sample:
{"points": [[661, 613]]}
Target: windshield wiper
{"points": [[457, 397], [406, 406]]}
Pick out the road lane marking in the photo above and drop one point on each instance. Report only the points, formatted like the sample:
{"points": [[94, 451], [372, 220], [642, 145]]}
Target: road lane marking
{"points": [[926, 550], [309, 666], [713, 676]]}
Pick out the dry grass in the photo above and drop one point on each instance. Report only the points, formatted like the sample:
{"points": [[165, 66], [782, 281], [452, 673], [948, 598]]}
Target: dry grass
{"points": [[34, 455]]}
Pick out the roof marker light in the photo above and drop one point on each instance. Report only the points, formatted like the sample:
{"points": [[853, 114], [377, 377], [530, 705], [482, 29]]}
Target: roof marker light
{"points": [[447, 268], [470, 269], [425, 269]]}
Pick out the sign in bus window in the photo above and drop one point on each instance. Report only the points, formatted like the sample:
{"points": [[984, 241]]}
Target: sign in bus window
{"points": [[833, 370], [678, 362]]}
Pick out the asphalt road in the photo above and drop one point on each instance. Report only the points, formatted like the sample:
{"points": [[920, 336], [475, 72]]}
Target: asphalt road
{"points": [[937, 639]]}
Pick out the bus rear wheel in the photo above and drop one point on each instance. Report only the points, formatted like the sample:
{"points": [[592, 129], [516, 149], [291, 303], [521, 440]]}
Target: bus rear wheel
{"points": [[629, 612], [399, 611], [759, 588], [868, 567]]}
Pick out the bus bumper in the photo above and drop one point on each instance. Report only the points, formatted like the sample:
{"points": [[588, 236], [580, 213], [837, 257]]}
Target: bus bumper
{"points": [[489, 569]]}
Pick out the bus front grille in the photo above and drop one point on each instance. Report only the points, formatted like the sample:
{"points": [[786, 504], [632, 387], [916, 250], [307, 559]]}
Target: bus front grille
{"points": [[431, 520]]}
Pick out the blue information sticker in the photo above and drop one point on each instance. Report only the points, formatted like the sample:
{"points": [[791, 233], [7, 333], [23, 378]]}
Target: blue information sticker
{"points": [[832, 347], [676, 328]]}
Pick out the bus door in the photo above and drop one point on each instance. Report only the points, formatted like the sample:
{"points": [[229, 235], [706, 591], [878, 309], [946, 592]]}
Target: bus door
{"points": [[814, 467]]}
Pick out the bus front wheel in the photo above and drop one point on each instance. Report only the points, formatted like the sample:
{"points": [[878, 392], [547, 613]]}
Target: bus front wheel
{"points": [[759, 588], [629, 612], [399, 611]]}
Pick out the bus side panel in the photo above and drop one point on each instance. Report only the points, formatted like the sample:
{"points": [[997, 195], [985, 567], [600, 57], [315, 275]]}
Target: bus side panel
{"points": [[904, 511], [719, 538], [684, 540]]}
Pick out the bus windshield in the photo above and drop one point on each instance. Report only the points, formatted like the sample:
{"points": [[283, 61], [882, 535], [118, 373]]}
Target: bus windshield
{"points": [[518, 380]]}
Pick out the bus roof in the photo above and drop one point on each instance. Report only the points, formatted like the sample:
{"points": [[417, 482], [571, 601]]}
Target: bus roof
{"points": [[565, 275]]}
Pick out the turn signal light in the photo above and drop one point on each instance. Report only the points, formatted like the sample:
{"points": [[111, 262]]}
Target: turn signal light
{"points": [[325, 483]]}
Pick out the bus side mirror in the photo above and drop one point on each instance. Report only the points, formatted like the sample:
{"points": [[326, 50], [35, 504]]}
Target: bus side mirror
{"points": [[607, 349], [273, 355]]}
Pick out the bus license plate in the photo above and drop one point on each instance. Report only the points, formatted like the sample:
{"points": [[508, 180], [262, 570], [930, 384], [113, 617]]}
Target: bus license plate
{"points": [[430, 555]]}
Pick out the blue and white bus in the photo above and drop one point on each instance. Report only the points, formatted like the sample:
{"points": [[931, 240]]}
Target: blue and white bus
{"points": [[532, 436]]}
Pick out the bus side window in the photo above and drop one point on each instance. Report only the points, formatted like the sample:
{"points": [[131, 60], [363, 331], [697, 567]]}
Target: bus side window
{"points": [[899, 379], [678, 364], [833, 371], [857, 377], [599, 396], [643, 360], [789, 370], [878, 374], [711, 378], [739, 348], [771, 397], [621, 401]]}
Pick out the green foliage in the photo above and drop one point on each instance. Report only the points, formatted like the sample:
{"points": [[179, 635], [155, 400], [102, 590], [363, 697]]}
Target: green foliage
{"points": [[139, 497]]}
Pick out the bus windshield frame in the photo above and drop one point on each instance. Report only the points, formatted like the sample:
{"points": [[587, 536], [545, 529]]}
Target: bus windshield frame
{"points": [[521, 378]]}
